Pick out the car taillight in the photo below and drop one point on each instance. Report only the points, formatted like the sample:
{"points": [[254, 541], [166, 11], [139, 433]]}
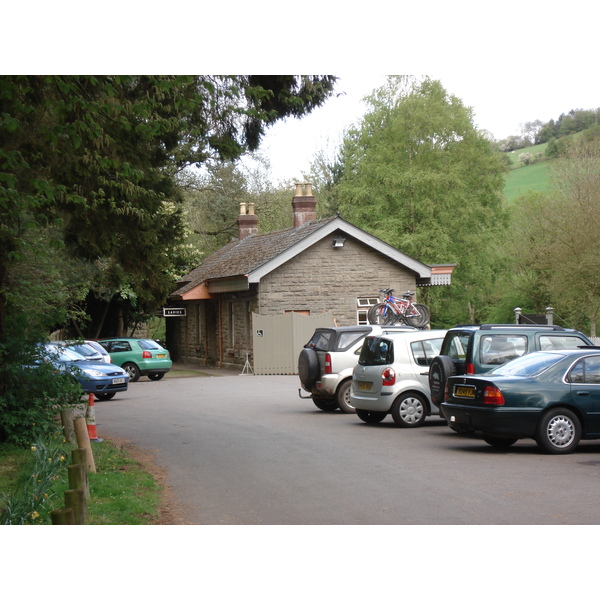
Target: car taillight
{"points": [[328, 364], [492, 395], [470, 369], [446, 395], [389, 376], [146, 354]]}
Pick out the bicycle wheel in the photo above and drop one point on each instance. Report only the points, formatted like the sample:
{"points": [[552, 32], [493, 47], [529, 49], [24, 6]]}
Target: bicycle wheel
{"points": [[418, 320], [380, 314]]}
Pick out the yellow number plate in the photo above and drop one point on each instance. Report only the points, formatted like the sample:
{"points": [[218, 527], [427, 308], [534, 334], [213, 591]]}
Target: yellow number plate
{"points": [[464, 392], [364, 386], [160, 356]]}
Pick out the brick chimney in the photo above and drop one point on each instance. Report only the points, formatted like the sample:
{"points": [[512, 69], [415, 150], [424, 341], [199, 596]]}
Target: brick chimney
{"points": [[247, 222], [304, 205]]}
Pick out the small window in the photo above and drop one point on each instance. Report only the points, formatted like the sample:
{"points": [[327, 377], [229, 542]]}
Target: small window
{"points": [[425, 351], [362, 312], [458, 346], [560, 342], [586, 371], [500, 349], [348, 338], [120, 347], [319, 340]]}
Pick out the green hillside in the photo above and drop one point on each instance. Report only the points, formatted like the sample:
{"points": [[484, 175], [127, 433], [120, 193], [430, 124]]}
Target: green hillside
{"points": [[522, 178]]}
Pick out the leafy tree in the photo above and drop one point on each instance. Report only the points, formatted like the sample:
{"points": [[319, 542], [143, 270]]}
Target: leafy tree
{"points": [[419, 175], [96, 156], [556, 238], [90, 162]]}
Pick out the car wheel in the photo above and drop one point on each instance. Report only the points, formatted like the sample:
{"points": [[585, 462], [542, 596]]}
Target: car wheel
{"points": [[441, 368], [380, 315], [155, 376], [370, 416], [132, 370], [499, 442], [421, 320], [326, 404], [343, 397], [559, 431], [409, 410], [308, 367], [105, 395]]}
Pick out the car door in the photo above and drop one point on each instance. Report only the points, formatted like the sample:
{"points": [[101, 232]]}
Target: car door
{"points": [[584, 378], [422, 353]]}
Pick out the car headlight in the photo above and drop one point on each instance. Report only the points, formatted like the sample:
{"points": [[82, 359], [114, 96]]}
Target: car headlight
{"points": [[93, 373]]}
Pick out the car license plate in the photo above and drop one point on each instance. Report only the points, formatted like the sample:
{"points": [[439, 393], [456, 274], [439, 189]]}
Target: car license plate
{"points": [[464, 392], [160, 356], [364, 386], [118, 380]]}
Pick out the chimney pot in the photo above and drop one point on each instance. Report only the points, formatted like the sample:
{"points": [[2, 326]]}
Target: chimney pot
{"points": [[304, 205], [247, 222]]}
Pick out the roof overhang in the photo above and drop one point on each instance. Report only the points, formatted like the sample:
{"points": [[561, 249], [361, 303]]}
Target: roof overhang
{"points": [[200, 292], [440, 275], [228, 284], [338, 224]]}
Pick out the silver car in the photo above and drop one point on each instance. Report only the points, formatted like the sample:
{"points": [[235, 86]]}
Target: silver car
{"points": [[326, 362], [392, 377]]}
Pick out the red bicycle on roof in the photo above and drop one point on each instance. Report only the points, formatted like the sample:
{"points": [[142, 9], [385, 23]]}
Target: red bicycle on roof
{"points": [[399, 310]]}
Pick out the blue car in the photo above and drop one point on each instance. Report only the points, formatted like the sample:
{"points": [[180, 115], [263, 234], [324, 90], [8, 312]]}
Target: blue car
{"points": [[102, 379]]}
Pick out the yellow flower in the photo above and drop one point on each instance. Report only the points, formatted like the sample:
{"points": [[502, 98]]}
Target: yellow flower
{"points": [[62, 458], [35, 514], [33, 448]]}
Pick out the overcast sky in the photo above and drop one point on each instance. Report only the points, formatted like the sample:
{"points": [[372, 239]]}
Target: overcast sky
{"points": [[501, 105]]}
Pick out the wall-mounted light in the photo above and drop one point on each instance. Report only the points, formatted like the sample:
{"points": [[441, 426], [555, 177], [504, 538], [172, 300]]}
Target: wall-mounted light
{"points": [[339, 242]]}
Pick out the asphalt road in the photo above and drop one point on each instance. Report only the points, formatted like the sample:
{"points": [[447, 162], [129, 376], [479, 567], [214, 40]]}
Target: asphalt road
{"points": [[248, 450]]}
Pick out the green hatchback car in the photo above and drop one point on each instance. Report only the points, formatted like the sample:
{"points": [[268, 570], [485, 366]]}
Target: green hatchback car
{"points": [[139, 357]]}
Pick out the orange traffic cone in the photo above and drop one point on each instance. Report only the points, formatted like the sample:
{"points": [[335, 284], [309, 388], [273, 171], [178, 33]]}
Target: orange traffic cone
{"points": [[90, 419]]}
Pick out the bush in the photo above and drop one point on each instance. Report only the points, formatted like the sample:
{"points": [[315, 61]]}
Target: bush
{"points": [[32, 395]]}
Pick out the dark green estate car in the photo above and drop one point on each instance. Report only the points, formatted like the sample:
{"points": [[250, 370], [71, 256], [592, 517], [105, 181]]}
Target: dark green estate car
{"points": [[475, 349], [552, 397], [139, 357]]}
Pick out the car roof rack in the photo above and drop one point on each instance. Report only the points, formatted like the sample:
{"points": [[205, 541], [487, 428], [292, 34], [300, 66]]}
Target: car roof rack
{"points": [[510, 325], [525, 326]]}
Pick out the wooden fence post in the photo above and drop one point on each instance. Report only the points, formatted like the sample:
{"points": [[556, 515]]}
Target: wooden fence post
{"points": [[62, 516], [66, 417], [75, 500], [78, 480], [83, 440]]}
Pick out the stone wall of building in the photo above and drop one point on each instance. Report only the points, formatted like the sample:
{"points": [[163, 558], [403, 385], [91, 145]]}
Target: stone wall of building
{"points": [[324, 278]]}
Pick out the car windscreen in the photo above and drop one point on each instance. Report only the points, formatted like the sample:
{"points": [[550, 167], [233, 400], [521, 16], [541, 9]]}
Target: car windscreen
{"points": [[376, 351], [83, 349], [62, 354], [529, 365], [150, 345]]}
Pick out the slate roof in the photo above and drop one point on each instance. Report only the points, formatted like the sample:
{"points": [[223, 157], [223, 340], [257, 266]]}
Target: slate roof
{"points": [[241, 257]]}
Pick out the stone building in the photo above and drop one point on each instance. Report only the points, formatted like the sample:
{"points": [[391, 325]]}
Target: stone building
{"points": [[317, 267]]}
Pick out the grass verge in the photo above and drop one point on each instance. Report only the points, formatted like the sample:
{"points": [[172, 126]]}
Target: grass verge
{"points": [[122, 491]]}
